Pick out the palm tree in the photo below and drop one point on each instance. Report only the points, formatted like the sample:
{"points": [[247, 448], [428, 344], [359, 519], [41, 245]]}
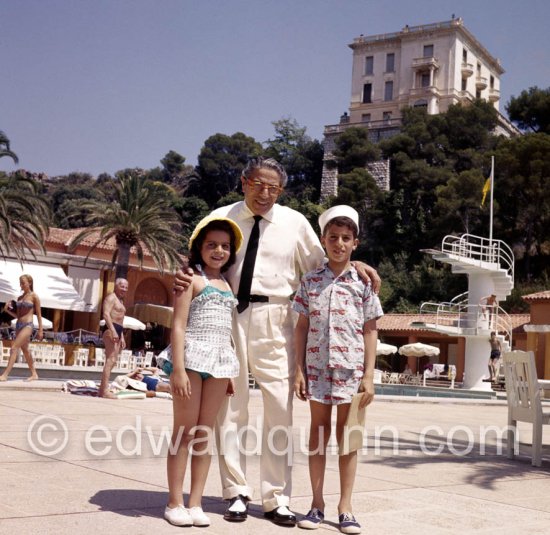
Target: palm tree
{"points": [[138, 216], [5, 148], [24, 216]]}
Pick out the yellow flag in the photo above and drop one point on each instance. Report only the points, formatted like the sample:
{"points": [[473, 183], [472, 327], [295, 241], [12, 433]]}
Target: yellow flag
{"points": [[486, 189]]}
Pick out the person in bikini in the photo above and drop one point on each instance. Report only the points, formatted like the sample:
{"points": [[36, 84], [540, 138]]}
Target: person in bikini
{"points": [[113, 314], [27, 304]]}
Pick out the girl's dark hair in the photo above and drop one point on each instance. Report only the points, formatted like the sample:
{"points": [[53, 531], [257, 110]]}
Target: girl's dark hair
{"points": [[195, 252]]}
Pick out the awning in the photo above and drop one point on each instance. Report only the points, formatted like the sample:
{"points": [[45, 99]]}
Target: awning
{"points": [[86, 282], [51, 285]]}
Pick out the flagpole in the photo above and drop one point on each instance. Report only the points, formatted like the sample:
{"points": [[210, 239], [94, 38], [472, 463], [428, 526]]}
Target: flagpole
{"points": [[491, 210]]}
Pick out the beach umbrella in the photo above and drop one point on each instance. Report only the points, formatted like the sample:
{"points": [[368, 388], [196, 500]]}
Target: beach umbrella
{"points": [[418, 349], [129, 323], [46, 324], [384, 349], [153, 313]]}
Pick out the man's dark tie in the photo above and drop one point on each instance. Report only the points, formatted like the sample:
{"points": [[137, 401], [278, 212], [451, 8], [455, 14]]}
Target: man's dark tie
{"points": [[243, 294]]}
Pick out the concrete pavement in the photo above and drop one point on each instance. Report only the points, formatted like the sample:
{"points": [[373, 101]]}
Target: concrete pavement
{"points": [[72, 464]]}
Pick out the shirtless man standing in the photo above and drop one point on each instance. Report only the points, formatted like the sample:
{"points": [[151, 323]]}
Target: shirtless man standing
{"points": [[113, 314]]}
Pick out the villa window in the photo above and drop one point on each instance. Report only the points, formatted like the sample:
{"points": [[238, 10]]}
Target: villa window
{"points": [[369, 65], [388, 91], [428, 51], [425, 79], [464, 84], [390, 62], [367, 93], [492, 82], [365, 118], [386, 117], [422, 103], [464, 55]]}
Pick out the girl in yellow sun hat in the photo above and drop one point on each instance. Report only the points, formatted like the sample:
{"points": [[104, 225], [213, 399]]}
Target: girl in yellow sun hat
{"points": [[201, 363]]}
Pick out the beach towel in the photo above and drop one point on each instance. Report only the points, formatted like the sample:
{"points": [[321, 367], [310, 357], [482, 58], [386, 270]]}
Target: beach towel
{"points": [[80, 385], [130, 394]]}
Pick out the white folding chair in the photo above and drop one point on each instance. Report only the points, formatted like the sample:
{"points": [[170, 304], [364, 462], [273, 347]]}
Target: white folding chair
{"points": [[124, 359], [42, 353], [5, 353], [81, 356], [99, 356], [53, 354], [60, 355], [148, 359], [523, 395], [36, 352], [136, 361]]}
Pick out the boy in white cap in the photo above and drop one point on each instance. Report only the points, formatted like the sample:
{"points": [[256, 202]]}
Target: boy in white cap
{"points": [[335, 345]]}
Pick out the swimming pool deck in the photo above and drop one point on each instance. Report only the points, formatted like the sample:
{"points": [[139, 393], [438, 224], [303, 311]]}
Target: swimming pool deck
{"points": [[110, 475]]}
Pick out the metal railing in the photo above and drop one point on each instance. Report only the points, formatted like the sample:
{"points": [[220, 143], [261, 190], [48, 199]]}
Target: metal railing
{"points": [[482, 250], [408, 29], [373, 125], [460, 298], [78, 336], [470, 319]]}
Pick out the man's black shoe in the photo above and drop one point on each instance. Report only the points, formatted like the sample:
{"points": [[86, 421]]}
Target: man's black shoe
{"points": [[281, 515], [237, 512]]}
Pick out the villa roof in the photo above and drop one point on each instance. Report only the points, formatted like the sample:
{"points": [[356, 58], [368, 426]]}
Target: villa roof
{"points": [[538, 296], [58, 239], [402, 322], [405, 322], [64, 236]]}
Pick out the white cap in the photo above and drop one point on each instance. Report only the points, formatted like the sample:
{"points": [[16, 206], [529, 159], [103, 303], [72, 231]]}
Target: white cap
{"points": [[342, 210]]}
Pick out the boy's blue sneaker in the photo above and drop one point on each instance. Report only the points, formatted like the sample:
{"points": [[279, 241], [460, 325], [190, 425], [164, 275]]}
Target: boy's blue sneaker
{"points": [[348, 524], [312, 520]]}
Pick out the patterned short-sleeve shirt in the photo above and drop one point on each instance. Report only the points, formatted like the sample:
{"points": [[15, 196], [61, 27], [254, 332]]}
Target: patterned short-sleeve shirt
{"points": [[337, 309]]}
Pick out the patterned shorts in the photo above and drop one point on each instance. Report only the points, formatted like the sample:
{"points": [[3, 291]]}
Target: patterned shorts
{"points": [[332, 386]]}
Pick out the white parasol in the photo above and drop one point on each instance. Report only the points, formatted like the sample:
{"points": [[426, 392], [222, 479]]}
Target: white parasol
{"points": [[418, 349], [384, 349], [153, 313], [129, 323], [46, 324]]}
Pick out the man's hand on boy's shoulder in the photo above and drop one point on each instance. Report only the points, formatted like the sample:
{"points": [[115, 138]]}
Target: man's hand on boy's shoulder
{"points": [[368, 273]]}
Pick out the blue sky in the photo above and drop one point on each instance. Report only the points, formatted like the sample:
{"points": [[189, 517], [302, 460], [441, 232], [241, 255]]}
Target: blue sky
{"points": [[101, 85]]}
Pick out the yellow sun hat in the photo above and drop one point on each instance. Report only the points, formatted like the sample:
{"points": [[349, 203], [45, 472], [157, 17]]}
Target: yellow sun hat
{"points": [[209, 219]]}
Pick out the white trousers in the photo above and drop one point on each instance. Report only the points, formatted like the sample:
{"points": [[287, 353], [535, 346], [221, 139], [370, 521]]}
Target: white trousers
{"points": [[263, 336]]}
